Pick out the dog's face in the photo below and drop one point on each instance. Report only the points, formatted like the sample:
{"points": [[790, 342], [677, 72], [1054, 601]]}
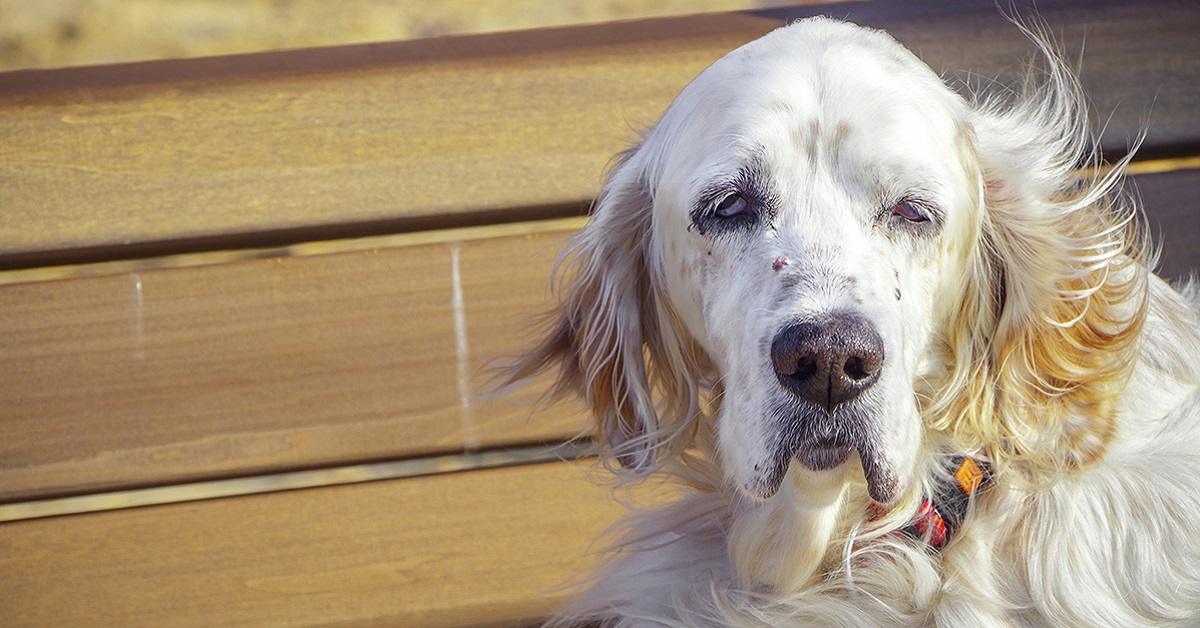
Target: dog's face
{"points": [[809, 197], [837, 241]]}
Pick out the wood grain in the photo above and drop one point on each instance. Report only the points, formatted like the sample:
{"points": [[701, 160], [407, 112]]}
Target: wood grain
{"points": [[190, 149], [482, 548], [256, 149], [262, 365], [1172, 203]]}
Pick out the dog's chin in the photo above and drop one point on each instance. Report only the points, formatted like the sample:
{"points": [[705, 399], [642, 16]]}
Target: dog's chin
{"points": [[824, 456], [882, 484], [819, 449]]}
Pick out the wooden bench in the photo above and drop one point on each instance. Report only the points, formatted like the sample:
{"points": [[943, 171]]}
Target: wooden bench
{"points": [[244, 301]]}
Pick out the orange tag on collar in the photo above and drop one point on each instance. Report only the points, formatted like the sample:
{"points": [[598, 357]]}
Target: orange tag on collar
{"points": [[969, 475]]}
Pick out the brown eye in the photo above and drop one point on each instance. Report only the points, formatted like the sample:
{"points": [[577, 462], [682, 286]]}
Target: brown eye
{"points": [[908, 211], [732, 205]]}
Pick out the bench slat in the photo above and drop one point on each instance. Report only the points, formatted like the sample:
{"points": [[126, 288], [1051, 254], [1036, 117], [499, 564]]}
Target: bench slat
{"points": [[481, 548], [1139, 62], [1172, 203], [345, 141], [182, 374], [260, 149]]}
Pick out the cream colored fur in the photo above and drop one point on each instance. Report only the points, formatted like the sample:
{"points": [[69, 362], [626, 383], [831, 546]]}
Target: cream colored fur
{"points": [[1020, 323]]}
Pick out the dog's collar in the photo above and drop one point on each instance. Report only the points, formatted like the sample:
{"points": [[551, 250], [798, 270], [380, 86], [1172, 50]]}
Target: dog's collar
{"points": [[941, 514]]}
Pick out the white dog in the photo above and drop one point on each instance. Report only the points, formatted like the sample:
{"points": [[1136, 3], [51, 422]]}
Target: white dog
{"points": [[907, 366]]}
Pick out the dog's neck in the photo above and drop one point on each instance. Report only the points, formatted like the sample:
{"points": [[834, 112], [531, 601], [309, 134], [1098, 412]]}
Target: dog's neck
{"points": [[945, 508], [782, 543]]}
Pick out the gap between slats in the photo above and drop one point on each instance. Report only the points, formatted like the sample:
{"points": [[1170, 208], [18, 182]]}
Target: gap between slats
{"points": [[295, 480]]}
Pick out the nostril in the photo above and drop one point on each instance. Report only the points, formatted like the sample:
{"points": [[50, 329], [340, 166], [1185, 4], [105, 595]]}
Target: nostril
{"points": [[793, 351], [806, 367], [855, 369], [860, 367], [797, 367]]}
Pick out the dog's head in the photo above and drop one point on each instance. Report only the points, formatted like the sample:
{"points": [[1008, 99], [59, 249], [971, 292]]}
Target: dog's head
{"points": [[849, 254]]}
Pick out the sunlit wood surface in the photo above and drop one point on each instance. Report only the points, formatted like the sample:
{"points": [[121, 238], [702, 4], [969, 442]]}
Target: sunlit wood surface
{"points": [[286, 269], [486, 548]]}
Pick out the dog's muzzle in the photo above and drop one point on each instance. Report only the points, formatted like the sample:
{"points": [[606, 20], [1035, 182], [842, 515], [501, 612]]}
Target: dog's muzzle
{"points": [[824, 366]]}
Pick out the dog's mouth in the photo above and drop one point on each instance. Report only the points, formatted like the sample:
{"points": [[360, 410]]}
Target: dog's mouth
{"points": [[882, 485], [824, 454], [820, 450]]}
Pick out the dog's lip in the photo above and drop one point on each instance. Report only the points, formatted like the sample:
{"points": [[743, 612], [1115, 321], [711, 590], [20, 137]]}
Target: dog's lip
{"points": [[823, 442], [882, 485], [823, 455]]}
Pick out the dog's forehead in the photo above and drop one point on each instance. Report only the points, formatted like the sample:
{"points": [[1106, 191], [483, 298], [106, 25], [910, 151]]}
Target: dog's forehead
{"points": [[821, 68], [808, 91], [823, 44]]}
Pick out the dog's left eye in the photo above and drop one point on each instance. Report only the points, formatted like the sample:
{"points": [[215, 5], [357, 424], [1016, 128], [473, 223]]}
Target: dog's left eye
{"points": [[732, 205], [909, 211]]}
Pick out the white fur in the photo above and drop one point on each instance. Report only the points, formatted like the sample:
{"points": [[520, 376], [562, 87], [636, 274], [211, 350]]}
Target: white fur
{"points": [[1021, 326]]}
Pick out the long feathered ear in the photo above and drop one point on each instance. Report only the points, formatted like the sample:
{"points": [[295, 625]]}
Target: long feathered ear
{"points": [[612, 339], [1055, 296]]}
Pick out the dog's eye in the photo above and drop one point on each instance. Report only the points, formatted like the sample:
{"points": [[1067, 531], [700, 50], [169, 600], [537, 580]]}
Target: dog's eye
{"points": [[730, 206], [909, 211]]}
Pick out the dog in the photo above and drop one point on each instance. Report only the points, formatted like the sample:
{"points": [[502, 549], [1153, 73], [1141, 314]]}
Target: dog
{"points": [[902, 357]]}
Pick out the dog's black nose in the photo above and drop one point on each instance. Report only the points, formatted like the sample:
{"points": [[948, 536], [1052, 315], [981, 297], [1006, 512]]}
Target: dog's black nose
{"points": [[828, 362]]}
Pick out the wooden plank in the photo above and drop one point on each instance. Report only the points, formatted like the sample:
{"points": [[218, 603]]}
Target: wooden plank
{"points": [[167, 29], [1172, 202], [261, 365], [279, 147], [481, 548], [358, 136]]}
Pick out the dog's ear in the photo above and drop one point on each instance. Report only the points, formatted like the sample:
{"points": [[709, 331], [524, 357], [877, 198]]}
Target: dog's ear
{"points": [[612, 339], [1056, 292]]}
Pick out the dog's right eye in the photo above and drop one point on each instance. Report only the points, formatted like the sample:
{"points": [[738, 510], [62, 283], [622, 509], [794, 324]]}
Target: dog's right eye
{"points": [[732, 205]]}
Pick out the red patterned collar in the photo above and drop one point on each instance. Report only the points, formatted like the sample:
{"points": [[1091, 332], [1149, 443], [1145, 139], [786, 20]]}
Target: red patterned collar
{"points": [[941, 514]]}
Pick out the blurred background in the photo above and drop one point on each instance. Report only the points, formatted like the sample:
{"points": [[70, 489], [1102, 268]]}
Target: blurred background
{"points": [[56, 33]]}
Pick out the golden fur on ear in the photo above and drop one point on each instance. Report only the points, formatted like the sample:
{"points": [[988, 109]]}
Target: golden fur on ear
{"points": [[1056, 291], [613, 340]]}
